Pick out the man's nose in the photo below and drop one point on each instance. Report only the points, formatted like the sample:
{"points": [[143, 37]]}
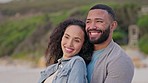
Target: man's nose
{"points": [[93, 25]]}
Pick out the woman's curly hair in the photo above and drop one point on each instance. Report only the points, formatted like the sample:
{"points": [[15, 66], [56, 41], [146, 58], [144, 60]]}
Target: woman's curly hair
{"points": [[54, 50]]}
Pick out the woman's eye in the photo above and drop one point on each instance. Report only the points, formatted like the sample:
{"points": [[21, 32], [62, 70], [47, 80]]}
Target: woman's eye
{"points": [[77, 41], [66, 37]]}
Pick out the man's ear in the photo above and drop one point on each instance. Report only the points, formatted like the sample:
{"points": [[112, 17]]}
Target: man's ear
{"points": [[114, 25]]}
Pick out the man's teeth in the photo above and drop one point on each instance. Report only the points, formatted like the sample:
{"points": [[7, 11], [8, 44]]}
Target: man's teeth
{"points": [[94, 33]]}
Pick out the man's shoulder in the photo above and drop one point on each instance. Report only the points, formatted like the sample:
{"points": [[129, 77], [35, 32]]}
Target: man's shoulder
{"points": [[118, 53]]}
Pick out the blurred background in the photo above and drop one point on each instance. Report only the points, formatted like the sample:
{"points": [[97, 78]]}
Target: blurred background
{"points": [[25, 26]]}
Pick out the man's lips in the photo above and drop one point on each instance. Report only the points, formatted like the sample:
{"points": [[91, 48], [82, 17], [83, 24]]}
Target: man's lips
{"points": [[94, 33]]}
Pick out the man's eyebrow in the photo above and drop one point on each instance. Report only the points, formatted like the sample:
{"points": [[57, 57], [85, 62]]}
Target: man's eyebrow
{"points": [[95, 19]]}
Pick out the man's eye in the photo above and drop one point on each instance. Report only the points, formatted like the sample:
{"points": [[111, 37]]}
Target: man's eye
{"points": [[87, 21], [99, 21]]}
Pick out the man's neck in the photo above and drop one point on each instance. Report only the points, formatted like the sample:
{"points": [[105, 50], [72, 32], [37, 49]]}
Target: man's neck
{"points": [[102, 45]]}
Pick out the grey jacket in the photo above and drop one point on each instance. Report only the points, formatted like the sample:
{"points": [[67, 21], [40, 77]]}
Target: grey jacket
{"points": [[70, 71], [113, 66]]}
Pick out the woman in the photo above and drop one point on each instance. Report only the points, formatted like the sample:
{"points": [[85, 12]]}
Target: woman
{"points": [[68, 46]]}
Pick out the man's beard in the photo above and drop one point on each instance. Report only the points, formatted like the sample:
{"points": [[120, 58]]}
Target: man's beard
{"points": [[103, 37]]}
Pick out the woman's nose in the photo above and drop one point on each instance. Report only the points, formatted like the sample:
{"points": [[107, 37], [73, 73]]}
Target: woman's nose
{"points": [[69, 43]]}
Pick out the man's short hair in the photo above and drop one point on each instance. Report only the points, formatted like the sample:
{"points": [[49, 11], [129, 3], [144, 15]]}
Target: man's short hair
{"points": [[105, 7]]}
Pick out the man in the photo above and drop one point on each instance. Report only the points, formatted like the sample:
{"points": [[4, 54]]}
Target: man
{"points": [[110, 64]]}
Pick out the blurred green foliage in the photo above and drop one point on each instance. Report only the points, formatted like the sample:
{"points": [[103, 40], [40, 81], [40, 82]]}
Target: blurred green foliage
{"points": [[12, 32], [37, 13], [143, 24], [35, 6], [120, 36], [143, 45], [143, 27]]}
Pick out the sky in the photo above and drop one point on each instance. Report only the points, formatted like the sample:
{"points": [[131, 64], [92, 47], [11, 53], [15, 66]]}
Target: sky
{"points": [[5, 1]]}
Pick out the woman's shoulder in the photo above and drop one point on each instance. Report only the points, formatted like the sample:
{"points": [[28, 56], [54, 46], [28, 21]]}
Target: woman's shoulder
{"points": [[49, 68], [77, 59]]}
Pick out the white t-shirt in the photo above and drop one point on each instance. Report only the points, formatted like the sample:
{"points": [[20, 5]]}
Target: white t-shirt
{"points": [[50, 79]]}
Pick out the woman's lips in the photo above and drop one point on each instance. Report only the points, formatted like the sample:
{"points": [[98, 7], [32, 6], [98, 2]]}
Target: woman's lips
{"points": [[69, 50]]}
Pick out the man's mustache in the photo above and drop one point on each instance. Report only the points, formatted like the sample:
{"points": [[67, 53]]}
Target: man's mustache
{"points": [[96, 30]]}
